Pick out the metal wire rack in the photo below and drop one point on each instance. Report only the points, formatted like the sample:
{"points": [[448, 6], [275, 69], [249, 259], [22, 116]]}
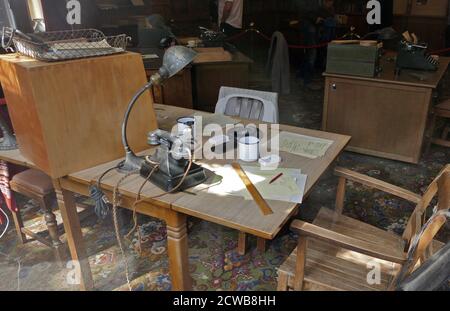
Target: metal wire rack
{"points": [[63, 45]]}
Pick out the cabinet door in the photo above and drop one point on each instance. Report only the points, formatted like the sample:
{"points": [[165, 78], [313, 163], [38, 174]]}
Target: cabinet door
{"points": [[177, 91], [209, 78], [383, 119]]}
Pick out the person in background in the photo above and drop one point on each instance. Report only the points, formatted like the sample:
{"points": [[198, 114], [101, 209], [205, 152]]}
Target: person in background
{"points": [[230, 16], [447, 34], [318, 26], [213, 13]]}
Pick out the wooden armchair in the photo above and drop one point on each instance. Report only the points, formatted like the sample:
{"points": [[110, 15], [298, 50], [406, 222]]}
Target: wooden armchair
{"points": [[336, 252]]}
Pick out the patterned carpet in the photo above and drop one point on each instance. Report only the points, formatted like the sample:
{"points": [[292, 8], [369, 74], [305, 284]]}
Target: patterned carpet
{"points": [[213, 261]]}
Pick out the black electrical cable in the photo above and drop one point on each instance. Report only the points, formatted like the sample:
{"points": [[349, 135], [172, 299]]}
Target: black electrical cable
{"points": [[102, 204]]}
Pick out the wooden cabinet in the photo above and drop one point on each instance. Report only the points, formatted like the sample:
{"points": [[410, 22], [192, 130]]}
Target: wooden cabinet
{"points": [[436, 8], [209, 77], [386, 116], [198, 85], [67, 115], [427, 19], [177, 91]]}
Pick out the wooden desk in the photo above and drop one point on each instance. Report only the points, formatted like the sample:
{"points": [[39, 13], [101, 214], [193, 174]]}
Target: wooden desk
{"points": [[387, 115], [233, 212], [177, 91], [198, 85]]}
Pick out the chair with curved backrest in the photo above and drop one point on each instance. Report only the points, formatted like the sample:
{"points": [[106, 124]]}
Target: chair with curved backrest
{"points": [[337, 252], [252, 105], [248, 104], [434, 274]]}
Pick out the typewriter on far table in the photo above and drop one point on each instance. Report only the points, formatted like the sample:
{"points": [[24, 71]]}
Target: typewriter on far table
{"points": [[414, 55]]}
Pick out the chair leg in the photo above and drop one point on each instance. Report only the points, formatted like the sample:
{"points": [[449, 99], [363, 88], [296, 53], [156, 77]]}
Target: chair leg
{"points": [[282, 281], [300, 264], [52, 227], [340, 196]]}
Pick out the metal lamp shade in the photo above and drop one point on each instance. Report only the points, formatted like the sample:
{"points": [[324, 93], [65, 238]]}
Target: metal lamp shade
{"points": [[175, 59]]}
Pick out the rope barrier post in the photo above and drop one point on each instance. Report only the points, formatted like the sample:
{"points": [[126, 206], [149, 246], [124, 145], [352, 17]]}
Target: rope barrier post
{"points": [[252, 40]]}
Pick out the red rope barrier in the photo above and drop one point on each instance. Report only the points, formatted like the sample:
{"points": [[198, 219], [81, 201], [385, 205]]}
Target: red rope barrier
{"points": [[292, 46], [446, 50], [239, 35], [267, 38]]}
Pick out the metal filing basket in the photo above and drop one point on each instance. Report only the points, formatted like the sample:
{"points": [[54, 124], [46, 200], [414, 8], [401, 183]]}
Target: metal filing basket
{"points": [[63, 45]]}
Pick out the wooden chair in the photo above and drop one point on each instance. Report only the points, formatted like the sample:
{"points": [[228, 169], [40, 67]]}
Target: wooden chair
{"points": [[251, 105], [442, 110], [38, 186], [337, 252]]}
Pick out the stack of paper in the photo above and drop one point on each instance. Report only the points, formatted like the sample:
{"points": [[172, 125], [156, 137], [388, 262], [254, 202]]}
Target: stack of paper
{"points": [[219, 119], [289, 187], [306, 146]]}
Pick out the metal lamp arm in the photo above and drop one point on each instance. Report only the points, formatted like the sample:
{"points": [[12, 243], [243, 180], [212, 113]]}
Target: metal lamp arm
{"points": [[133, 162], [127, 115]]}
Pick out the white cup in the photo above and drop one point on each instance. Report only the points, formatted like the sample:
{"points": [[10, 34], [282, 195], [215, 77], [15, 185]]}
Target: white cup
{"points": [[192, 43], [248, 149]]}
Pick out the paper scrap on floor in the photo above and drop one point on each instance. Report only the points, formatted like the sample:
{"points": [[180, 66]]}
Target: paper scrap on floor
{"points": [[306, 146], [220, 119], [150, 56], [289, 187]]}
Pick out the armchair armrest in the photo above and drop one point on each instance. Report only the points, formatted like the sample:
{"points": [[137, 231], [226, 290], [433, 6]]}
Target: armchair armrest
{"points": [[370, 249], [378, 184]]}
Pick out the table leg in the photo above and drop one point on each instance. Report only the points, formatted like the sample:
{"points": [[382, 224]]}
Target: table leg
{"points": [[72, 227], [5, 178], [261, 245], [177, 241], [242, 243], [18, 223]]}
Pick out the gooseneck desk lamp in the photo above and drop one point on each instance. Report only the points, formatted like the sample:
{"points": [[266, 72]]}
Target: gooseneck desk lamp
{"points": [[175, 59]]}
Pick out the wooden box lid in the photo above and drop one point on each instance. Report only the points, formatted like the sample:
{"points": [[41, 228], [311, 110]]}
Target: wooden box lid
{"points": [[209, 55]]}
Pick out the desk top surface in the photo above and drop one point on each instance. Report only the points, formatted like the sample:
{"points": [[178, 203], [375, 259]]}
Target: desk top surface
{"points": [[230, 211], [15, 157], [234, 212], [419, 78]]}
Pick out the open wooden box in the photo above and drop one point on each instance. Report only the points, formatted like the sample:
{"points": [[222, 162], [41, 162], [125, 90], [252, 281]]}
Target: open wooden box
{"points": [[67, 115]]}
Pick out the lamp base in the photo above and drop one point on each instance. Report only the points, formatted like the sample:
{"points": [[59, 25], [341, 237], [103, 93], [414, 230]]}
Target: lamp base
{"points": [[196, 176], [132, 163]]}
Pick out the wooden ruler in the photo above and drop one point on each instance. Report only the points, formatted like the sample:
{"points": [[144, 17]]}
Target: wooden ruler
{"points": [[262, 204]]}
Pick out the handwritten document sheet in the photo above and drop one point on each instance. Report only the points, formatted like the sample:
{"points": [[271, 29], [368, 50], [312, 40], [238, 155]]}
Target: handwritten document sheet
{"points": [[288, 188], [306, 146]]}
